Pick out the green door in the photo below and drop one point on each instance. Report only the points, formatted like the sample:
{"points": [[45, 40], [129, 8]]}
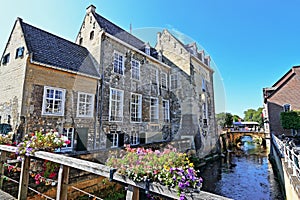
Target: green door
{"points": [[82, 138]]}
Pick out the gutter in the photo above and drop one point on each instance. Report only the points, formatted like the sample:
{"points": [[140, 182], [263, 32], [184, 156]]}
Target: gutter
{"points": [[60, 69]]}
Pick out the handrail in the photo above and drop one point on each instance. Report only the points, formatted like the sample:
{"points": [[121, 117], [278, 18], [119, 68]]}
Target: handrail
{"points": [[290, 154], [99, 169]]}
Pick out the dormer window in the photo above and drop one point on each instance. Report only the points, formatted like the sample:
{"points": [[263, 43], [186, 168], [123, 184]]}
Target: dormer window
{"points": [[92, 35], [19, 52], [286, 107], [5, 59], [147, 50]]}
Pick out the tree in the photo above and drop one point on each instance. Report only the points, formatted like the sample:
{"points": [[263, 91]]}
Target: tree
{"points": [[224, 119], [236, 118], [290, 120], [253, 115]]}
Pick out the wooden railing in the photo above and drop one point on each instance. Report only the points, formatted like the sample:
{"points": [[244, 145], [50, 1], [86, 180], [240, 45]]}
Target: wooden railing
{"points": [[66, 163]]}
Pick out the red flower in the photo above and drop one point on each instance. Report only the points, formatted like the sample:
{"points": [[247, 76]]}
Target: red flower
{"points": [[52, 175]]}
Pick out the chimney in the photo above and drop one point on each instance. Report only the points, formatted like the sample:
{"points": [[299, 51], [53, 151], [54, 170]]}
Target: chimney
{"points": [[90, 9]]}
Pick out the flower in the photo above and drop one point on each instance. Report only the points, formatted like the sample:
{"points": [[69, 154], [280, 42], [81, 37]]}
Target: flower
{"points": [[166, 167]]}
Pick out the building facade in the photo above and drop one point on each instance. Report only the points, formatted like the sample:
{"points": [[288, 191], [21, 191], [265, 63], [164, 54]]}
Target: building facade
{"points": [[114, 89], [283, 96]]}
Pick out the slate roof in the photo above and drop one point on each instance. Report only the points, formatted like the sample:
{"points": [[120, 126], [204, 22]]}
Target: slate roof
{"points": [[55, 51], [119, 33]]}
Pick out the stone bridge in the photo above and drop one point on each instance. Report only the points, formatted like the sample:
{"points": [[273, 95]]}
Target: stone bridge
{"points": [[233, 136]]}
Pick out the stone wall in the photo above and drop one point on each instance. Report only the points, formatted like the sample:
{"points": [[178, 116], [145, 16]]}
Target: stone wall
{"points": [[12, 78], [40, 76]]}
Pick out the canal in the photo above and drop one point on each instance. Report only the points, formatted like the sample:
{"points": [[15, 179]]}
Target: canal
{"points": [[245, 173]]}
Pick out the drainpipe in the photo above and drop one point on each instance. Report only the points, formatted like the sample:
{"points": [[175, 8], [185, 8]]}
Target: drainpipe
{"points": [[96, 114], [102, 86]]}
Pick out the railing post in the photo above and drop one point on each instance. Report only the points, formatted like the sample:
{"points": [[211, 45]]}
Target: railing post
{"points": [[24, 178], [133, 193], [294, 163], [63, 181], [2, 162]]}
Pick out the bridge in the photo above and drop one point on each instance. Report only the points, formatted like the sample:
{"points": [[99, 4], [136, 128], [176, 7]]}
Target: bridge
{"points": [[233, 136]]}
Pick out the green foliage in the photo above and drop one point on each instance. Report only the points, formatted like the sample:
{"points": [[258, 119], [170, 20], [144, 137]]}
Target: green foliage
{"points": [[236, 118], [224, 119], [290, 120], [169, 167], [252, 115]]}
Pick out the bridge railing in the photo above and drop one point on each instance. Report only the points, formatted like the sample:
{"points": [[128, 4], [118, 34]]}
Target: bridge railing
{"points": [[290, 153], [66, 163]]}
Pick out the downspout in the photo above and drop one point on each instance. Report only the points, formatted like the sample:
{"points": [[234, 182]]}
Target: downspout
{"points": [[96, 114], [102, 87]]}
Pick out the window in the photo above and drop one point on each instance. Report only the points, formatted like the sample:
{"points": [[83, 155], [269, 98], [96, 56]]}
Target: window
{"points": [[286, 107], [80, 41], [68, 133], [118, 63], [153, 76], [134, 138], [204, 110], [114, 139], [135, 69], [92, 35], [136, 108], [174, 81], [116, 105], [85, 105], [53, 101], [5, 59], [166, 110], [164, 80], [147, 50], [154, 109], [203, 85], [19, 52]]}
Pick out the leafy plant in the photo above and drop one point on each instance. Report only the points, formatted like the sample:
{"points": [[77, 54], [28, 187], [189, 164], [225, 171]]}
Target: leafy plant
{"points": [[290, 120], [168, 167]]}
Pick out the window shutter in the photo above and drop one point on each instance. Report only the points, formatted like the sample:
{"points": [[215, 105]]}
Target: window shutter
{"points": [[121, 140], [142, 138], [108, 140]]}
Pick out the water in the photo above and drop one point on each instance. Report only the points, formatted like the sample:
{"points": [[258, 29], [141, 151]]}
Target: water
{"points": [[243, 174]]}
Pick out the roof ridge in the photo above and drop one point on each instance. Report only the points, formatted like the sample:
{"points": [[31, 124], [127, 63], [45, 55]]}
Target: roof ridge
{"points": [[52, 34]]}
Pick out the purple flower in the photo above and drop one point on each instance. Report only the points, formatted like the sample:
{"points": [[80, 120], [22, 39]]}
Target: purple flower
{"points": [[182, 197], [181, 185]]}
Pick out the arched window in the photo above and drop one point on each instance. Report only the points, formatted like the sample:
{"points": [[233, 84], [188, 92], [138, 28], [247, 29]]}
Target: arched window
{"points": [[92, 35]]}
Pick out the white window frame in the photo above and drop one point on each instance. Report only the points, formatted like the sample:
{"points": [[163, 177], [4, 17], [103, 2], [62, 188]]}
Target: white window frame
{"points": [[115, 140], [285, 106], [147, 50], [154, 75], [134, 138], [135, 69], [173, 81], [164, 80], [86, 105], [69, 133], [20, 52], [119, 64], [166, 110], [136, 108], [154, 112], [118, 105], [62, 100]]}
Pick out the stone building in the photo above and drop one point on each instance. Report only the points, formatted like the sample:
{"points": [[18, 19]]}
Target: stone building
{"points": [[50, 83], [140, 94], [283, 96]]}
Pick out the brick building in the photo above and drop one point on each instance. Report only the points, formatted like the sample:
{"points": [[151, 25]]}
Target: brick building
{"points": [[138, 93], [281, 97]]}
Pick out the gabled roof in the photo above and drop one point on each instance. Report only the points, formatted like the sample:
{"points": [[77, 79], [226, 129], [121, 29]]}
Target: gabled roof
{"points": [[55, 51], [118, 32], [269, 92]]}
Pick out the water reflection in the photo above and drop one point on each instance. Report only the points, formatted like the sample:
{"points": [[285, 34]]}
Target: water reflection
{"points": [[244, 173]]}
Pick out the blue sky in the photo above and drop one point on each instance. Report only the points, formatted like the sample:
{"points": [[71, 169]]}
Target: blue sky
{"points": [[252, 42]]}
